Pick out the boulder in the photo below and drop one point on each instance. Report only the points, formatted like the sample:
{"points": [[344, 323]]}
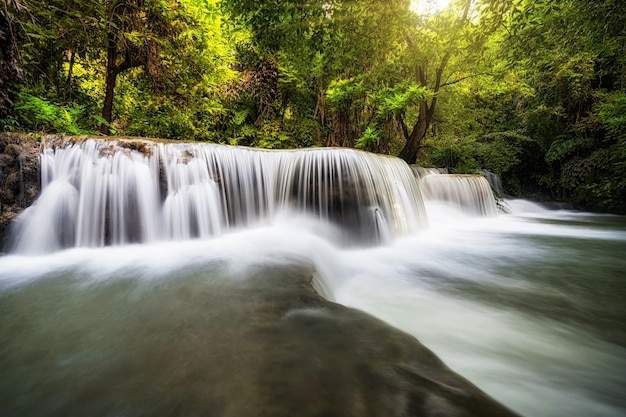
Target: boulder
{"points": [[19, 177], [234, 343]]}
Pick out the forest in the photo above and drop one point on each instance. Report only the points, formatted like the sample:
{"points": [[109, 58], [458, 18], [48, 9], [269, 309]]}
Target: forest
{"points": [[531, 90]]}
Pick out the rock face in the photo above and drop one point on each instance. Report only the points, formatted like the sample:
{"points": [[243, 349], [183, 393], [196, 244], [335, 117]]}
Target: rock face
{"points": [[258, 342], [19, 177]]}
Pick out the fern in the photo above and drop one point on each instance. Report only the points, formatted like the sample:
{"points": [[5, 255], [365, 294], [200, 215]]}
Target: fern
{"points": [[36, 114]]}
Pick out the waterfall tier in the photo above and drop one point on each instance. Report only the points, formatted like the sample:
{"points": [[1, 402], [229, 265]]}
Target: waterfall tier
{"points": [[100, 192], [471, 193]]}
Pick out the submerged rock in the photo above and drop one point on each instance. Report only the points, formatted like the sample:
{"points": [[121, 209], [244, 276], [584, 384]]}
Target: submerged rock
{"points": [[251, 343]]}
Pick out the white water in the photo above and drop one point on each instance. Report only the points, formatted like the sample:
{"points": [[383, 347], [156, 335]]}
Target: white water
{"points": [[108, 193], [466, 288], [469, 193], [527, 306], [469, 289]]}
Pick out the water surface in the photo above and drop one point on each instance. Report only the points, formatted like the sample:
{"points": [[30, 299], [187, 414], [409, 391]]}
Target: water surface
{"points": [[530, 307]]}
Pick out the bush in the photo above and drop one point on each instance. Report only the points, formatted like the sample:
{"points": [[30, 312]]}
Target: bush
{"points": [[36, 114]]}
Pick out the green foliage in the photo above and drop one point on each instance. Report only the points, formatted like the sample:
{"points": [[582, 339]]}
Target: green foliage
{"points": [[370, 139], [398, 99], [240, 117], [35, 114], [502, 151], [101, 120], [572, 79], [271, 135], [453, 152], [612, 115], [590, 182], [345, 91], [571, 52], [565, 147], [531, 90]]}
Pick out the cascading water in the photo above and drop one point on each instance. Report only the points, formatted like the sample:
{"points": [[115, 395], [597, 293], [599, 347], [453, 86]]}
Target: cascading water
{"points": [[471, 193], [494, 181], [527, 305], [99, 193]]}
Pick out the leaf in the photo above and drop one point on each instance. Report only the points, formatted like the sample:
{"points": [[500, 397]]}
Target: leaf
{"points": [[100, 119]]}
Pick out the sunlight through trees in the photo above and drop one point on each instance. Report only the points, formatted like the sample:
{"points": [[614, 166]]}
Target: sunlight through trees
{"points": [[531, 90]]}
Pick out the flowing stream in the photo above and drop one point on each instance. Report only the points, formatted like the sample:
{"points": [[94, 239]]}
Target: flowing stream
{"points": [[529, 305]]}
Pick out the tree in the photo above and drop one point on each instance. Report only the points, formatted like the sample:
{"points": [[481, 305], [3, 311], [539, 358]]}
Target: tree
{"points": [[573, 55], [441, 50], [75, 53], [10, 67], [335, 51], [137, 31], [199, 71]]}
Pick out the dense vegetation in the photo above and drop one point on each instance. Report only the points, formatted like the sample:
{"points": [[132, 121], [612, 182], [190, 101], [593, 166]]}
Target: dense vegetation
{"points": [[533, 90]]}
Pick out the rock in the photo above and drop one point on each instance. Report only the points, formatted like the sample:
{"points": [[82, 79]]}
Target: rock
{"points": [[19, 177], [259, 342]]}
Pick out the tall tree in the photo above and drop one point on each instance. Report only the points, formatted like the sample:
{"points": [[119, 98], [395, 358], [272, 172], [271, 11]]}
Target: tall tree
{"points": [[137, 31], [10, 67], [198, 72], [441, 50], [332, 50]]}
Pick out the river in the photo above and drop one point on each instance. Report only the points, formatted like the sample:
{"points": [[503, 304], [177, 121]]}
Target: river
{"points": [[119, 294], [528, 306]]}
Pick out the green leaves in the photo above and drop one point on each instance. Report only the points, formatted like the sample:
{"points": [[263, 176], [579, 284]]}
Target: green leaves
{"points": [[36, 114], [531, 89], [612, 115], [400, 98], [565, 147], [101, 120], [370, 139], [345, 90]]}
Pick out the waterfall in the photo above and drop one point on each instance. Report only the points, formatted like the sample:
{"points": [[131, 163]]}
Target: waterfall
{"points": [[494, 182], [99, 192], [471, 193], [421, 172]]}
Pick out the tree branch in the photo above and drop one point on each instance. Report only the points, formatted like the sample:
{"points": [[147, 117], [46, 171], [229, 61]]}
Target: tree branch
{"points": [[458, 80], [405, 129]]}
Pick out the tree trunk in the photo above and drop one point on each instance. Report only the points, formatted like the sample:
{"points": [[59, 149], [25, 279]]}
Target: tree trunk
{"points": [[107, 108], [415, 138], [68, 82], [10, 65], [111, 79], [341, 132], [320, 112], [417, 135]]}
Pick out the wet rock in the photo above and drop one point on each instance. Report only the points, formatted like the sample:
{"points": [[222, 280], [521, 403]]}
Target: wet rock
{"points": [[254, 342], [19, 177]]}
